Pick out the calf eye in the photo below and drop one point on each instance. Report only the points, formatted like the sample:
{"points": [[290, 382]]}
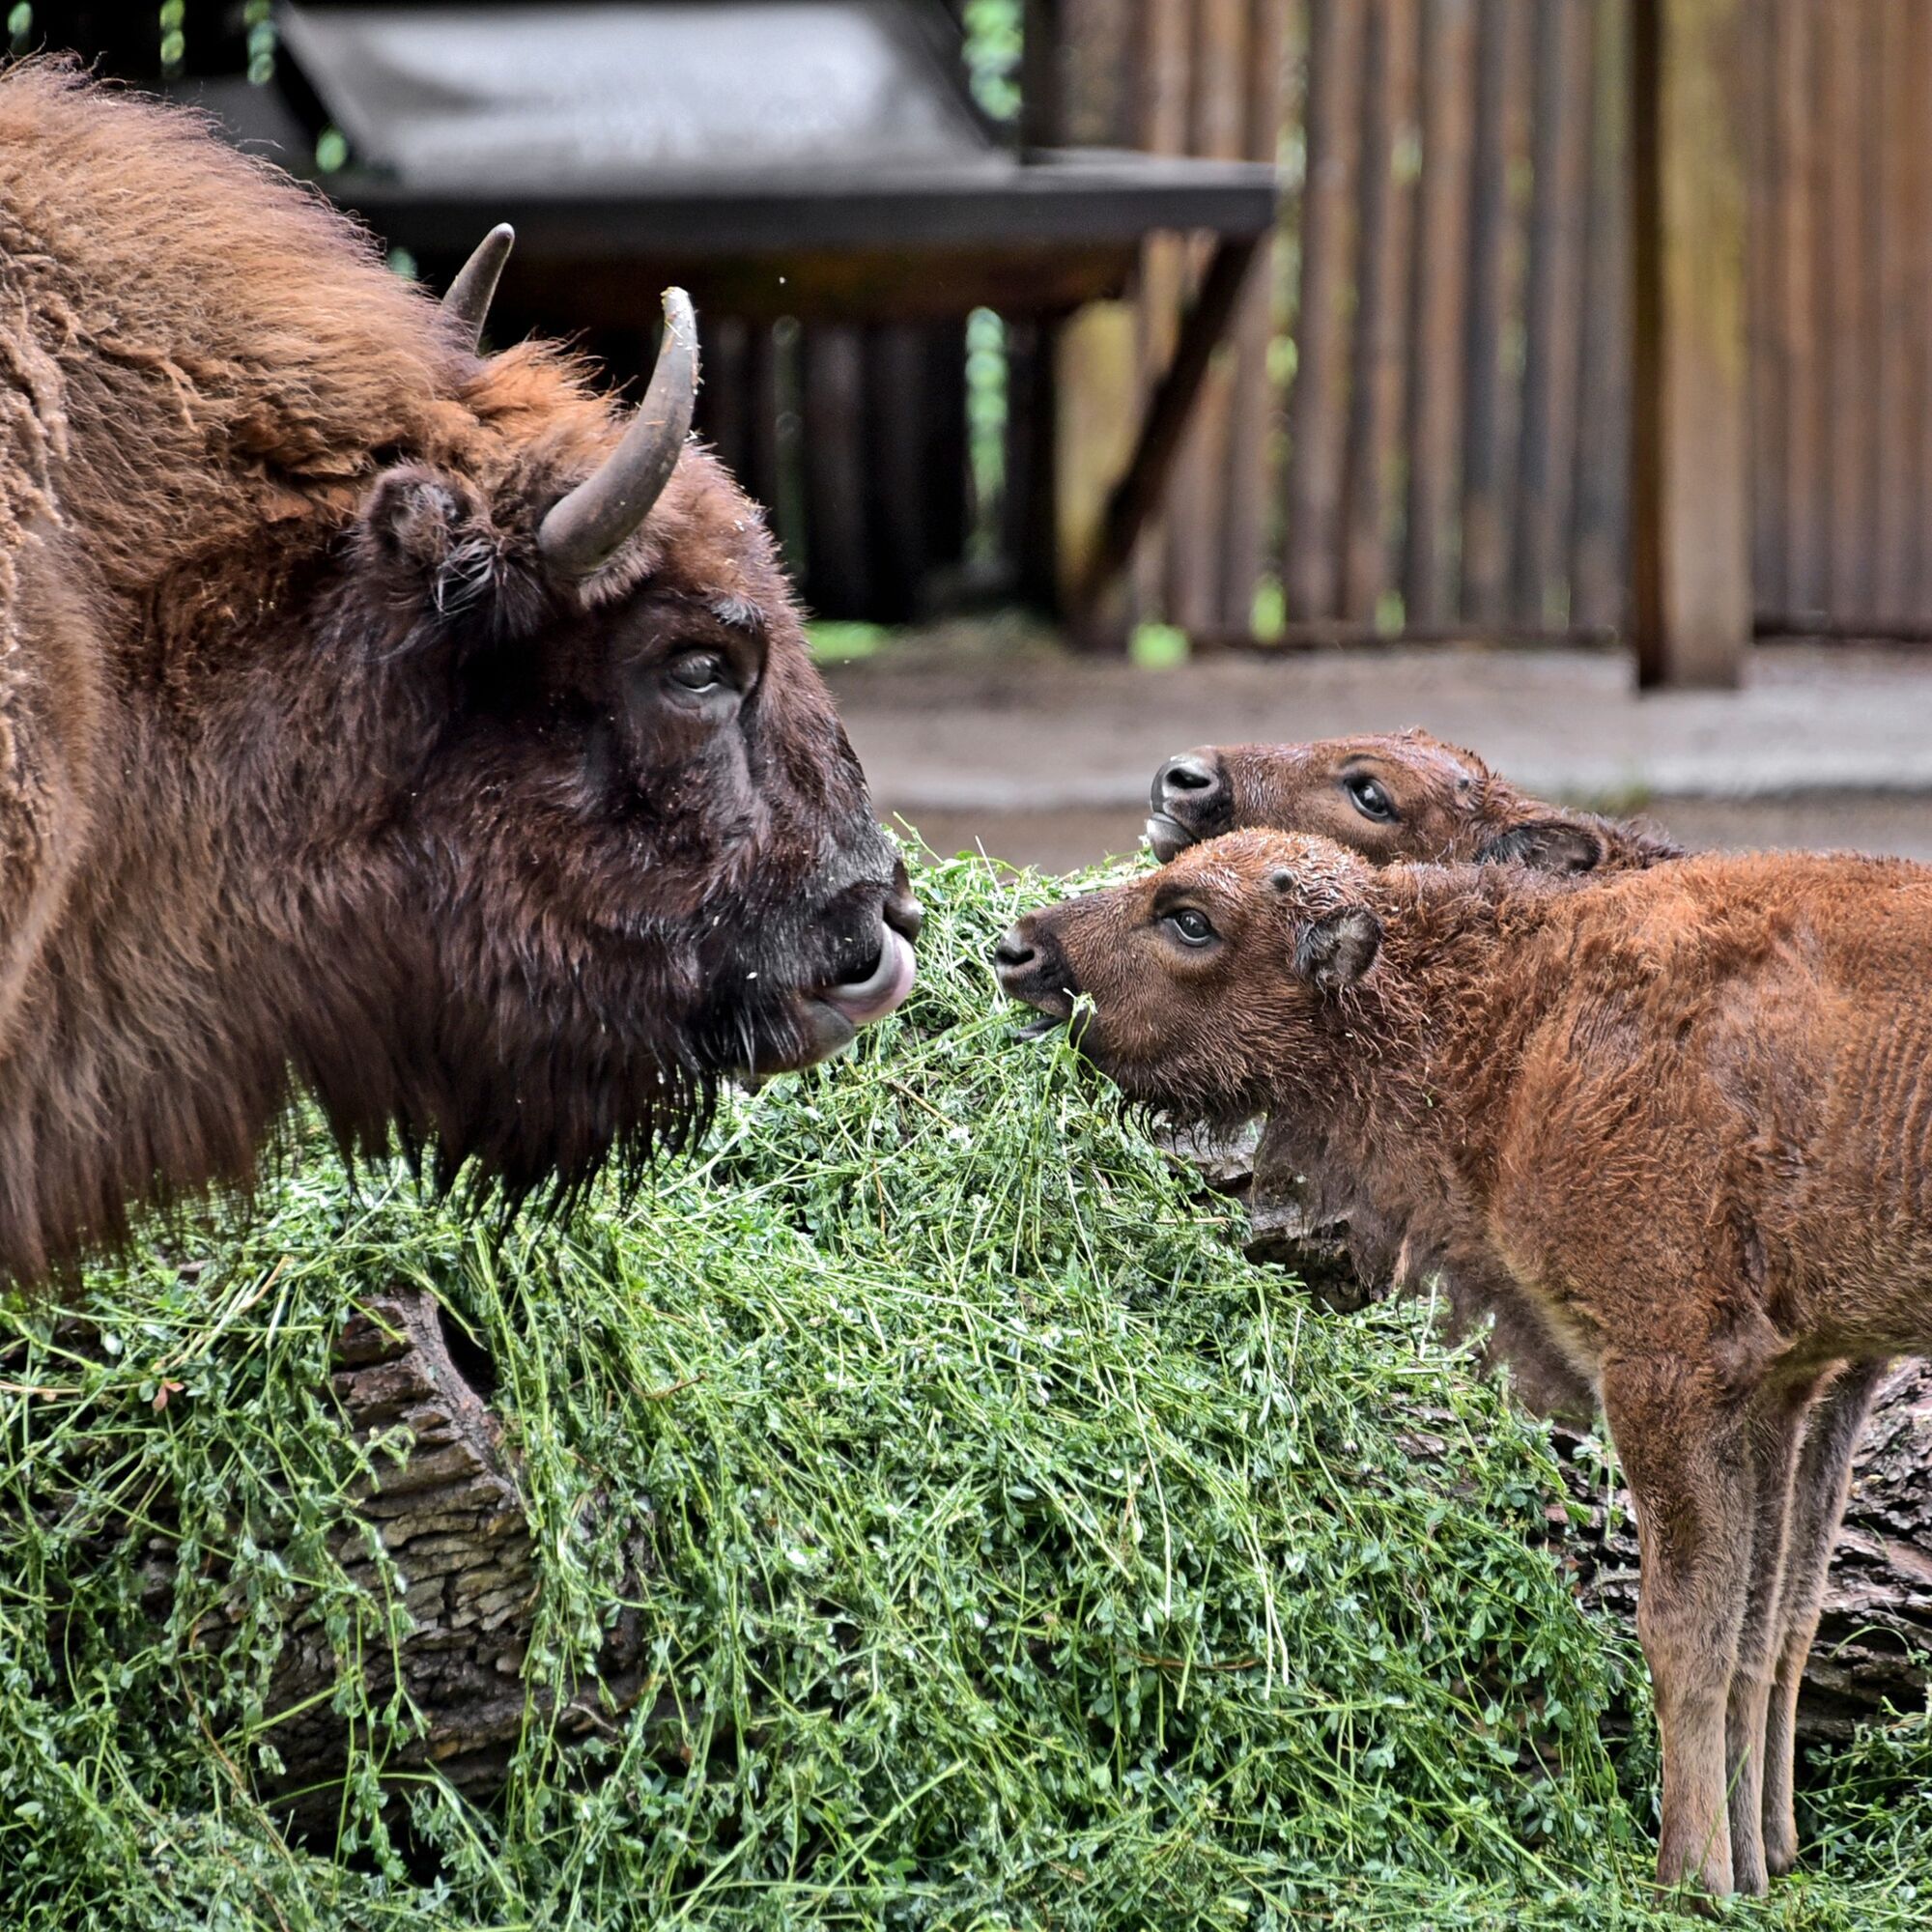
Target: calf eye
{"points": [[1189, 928], [698, 672], [1369, 798]]}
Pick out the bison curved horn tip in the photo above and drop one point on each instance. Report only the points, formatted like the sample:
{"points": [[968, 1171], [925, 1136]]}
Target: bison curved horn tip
{"points": [[586, 527], [469, 294]]}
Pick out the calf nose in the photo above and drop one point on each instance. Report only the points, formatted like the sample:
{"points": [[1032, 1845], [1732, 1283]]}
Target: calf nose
{"points": [[1014, 954], [1190, 801], [1190, 781]]}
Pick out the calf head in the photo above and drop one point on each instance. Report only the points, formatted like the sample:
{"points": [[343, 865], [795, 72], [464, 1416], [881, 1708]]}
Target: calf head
{"points": [[1402, 796], [1191, 987]]}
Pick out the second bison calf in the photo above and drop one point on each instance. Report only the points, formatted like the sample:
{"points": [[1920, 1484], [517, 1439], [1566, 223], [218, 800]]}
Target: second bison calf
{"points": [[1685, 1114]]}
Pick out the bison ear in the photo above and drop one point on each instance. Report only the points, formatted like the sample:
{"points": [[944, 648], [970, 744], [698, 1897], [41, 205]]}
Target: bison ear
{"points": [[1553, 845], [1336, 952], [428, 527]]}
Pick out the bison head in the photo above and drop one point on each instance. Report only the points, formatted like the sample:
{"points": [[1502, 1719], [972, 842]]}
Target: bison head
{"points": [[418, 728], [1202, 988], [626, 843]]}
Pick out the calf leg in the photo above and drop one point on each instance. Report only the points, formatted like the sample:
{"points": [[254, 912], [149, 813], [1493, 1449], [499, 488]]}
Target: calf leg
{"points": [[1775, 1425], [1686, 1450], [1824, 1476]]}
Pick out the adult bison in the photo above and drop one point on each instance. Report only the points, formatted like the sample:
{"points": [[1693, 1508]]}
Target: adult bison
{"points": [[375, 718]]}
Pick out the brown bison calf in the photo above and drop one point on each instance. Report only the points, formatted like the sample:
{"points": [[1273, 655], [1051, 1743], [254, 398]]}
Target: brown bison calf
{"points": [[1399, 796], [1684, 1114]]}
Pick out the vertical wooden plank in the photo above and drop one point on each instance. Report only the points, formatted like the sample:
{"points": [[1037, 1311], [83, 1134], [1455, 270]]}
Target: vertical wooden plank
{"points": [[1027, 520], [898, 546], [1196, 502], [1553, 302], [1689, 509], [1091, 104], [1483, 524], [1096, 386], [1919, 64], [1841, 97], [839, 578], [1164, 50], [1252, 405], [1381, 306], [722, 414], [1317, 401], [1436, 310], [1871, 316], [941, 449], [759, 475], [1601, 517], [1762, 242], [1900, 138], [1798, 357]]}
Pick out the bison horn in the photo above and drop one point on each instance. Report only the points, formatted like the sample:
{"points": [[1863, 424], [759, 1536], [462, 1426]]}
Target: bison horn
{"points": [[468, 298], [586, 527]]}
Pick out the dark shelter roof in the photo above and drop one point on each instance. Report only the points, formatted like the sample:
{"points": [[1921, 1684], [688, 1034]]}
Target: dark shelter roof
{"points": [[715, 127]]}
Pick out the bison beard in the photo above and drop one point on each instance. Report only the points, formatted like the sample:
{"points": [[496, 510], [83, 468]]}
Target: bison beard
{"points": [[356, 733]]}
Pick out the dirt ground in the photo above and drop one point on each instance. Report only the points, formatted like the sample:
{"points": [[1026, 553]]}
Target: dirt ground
{"points": [[990, 735]]}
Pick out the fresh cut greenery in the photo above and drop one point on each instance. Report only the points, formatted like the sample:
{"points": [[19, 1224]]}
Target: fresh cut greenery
{"points": [[1021, 1556]]}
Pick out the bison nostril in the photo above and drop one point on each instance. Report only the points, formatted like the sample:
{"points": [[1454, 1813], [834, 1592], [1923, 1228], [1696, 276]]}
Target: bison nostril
{"points": [[1186, 779], [1015, 951], [904, 914]]}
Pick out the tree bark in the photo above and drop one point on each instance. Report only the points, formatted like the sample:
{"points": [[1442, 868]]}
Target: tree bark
{"points": [[451, 1519], [1874, 1647]]}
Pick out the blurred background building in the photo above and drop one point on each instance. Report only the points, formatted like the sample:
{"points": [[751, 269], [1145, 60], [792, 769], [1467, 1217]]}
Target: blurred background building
{"points": [[1299, 339]]}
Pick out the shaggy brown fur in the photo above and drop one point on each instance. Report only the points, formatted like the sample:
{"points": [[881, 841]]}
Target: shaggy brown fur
{"points": [[1390, 797], [310, 772], [1685, 1114]]}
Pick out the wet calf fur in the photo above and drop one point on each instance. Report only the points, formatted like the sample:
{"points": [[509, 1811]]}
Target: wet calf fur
{"points": [[1395, 796], [1687, 1115]]}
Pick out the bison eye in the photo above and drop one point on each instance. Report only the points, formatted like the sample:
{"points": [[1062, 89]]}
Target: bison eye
{"points": [[1369, 798], [1190, 927], [699, 672]]}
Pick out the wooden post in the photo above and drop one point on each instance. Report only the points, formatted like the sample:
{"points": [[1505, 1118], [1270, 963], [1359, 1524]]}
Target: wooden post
{"points": [[1690, 496]]}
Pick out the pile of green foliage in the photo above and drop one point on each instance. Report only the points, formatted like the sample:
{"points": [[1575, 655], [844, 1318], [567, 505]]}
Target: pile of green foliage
{"points": [[1025, 1557]]}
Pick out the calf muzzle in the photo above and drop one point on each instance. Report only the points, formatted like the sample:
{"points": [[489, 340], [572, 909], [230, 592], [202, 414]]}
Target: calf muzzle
{"points": [[1191, 799], [1034, 969]]}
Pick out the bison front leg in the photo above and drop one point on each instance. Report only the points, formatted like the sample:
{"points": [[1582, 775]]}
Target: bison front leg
{"points": [[1824, 1477], [1687, 1454], [1775, 1427]]}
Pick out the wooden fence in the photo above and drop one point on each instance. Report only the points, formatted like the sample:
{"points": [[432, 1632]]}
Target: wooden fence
{"points": [[1423, 423]]}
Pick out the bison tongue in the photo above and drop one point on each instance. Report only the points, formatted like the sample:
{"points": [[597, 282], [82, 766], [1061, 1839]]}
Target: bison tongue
{"points": [[881, 990]]}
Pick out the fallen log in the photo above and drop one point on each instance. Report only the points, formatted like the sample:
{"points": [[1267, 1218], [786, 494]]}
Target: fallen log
{"points": [[449, 1513], [1874, 1648]]}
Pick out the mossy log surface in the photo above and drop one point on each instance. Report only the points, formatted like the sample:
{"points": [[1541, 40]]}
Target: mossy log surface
{"points": [[451, 1515]]}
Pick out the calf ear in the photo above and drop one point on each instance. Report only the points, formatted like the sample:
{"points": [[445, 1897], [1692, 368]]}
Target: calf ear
{"points": [[1338, 950], [1547, 845]]}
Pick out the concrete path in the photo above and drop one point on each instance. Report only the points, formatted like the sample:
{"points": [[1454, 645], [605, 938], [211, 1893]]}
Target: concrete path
{"points": [[979, 735]]}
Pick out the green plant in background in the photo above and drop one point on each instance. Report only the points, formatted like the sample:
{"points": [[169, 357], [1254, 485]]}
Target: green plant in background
{"points": [[1021, 1555], [992, 32], [840, 643]]}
